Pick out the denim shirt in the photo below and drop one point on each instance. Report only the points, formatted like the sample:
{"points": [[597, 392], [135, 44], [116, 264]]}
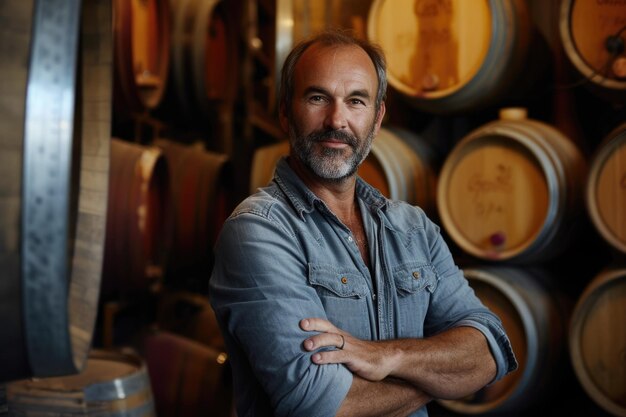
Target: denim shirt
{"points": [[283, 256]]}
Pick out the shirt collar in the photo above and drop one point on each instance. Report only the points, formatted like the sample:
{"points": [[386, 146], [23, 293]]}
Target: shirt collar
{"points": [[304, 200]]}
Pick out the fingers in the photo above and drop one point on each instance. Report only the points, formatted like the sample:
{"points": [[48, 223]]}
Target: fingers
{"points": [[317, 325], [330, 336], [325, 340]]}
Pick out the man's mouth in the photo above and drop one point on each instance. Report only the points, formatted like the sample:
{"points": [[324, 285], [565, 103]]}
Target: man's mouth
{"points": [[336, 139], [333, 143]]}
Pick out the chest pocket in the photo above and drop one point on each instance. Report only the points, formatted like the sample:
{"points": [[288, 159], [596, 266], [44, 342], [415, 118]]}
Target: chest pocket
{"points": [[411, 278], [345, 297], [414, 285]]}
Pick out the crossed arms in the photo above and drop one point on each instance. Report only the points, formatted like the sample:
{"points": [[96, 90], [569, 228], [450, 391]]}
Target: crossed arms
{"points": [[396, 377]]}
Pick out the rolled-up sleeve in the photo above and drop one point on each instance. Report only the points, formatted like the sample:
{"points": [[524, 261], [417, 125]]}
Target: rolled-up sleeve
{"points": [[259, 292], [455, 304]]}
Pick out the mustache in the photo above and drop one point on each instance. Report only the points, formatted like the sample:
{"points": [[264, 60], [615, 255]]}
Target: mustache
{"points": [[337, 135]]}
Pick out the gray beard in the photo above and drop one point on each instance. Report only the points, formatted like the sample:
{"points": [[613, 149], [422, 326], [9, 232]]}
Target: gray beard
{"points": [[330, 164]]}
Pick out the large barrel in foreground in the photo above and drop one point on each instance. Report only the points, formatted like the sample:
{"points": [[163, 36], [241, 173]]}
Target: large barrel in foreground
{"points": [[54, 165]]}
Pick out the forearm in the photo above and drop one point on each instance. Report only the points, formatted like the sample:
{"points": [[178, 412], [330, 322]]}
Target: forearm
{"points": [[452, 364], [389, 397]]}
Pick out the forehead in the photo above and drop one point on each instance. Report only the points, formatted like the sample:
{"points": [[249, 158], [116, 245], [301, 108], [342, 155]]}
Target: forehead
{"points": [[332, 66]]}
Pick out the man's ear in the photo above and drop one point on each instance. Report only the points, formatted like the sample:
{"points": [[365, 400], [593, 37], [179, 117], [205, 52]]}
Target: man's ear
{"points": [[380, 116]]}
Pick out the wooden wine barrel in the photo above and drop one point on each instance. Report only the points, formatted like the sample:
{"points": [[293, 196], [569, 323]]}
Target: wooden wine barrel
{"points": [[400, 164], [201, 199], [188, 378], [141, 54], [606, 189], [54, 163], [203, 59], [137, 220], [535, 318], [597, 340], [509, 190], [111, 384], [451, 56], [593, 35]]}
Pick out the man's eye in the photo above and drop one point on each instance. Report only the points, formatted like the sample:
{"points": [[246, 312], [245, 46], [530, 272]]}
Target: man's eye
{"points": [[357, 102], [316, 99]]}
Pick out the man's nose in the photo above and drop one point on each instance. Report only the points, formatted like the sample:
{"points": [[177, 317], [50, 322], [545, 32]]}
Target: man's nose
{"points": [[335, 117]]}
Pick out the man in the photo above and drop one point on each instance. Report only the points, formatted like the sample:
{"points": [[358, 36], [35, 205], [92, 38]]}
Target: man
{"points": [[332, 299]]}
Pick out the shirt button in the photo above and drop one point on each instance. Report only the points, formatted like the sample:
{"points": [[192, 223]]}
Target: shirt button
{"points": [[416, 275], [374, 297], [344, 280], [349, 238]]}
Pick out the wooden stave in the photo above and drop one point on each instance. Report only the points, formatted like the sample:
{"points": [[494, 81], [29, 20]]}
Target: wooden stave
{"points": [[134, 258]]}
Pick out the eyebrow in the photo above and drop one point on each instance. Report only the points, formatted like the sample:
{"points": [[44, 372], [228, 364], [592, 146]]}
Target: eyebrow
{"points": [[362, 93]]}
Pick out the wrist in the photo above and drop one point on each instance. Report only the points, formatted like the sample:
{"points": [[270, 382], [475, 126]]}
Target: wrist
{"points": [[394, 357]]}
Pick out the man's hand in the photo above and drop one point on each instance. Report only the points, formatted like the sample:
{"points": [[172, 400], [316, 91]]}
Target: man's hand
{"points": [[373, 361]]}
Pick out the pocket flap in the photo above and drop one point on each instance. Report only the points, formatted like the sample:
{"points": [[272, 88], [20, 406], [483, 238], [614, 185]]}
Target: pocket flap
{"points": [[343, 283], [414, 277]]}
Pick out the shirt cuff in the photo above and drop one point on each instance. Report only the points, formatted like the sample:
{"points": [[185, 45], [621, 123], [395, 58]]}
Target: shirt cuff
{"points": [[500, 348]]}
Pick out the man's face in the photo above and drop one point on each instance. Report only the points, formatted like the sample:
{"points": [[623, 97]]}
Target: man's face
{"points": [[334, 118]]}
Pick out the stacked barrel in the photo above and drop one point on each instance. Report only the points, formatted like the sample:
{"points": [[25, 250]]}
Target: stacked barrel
{"points": [[533, 209], [171, 188]]}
